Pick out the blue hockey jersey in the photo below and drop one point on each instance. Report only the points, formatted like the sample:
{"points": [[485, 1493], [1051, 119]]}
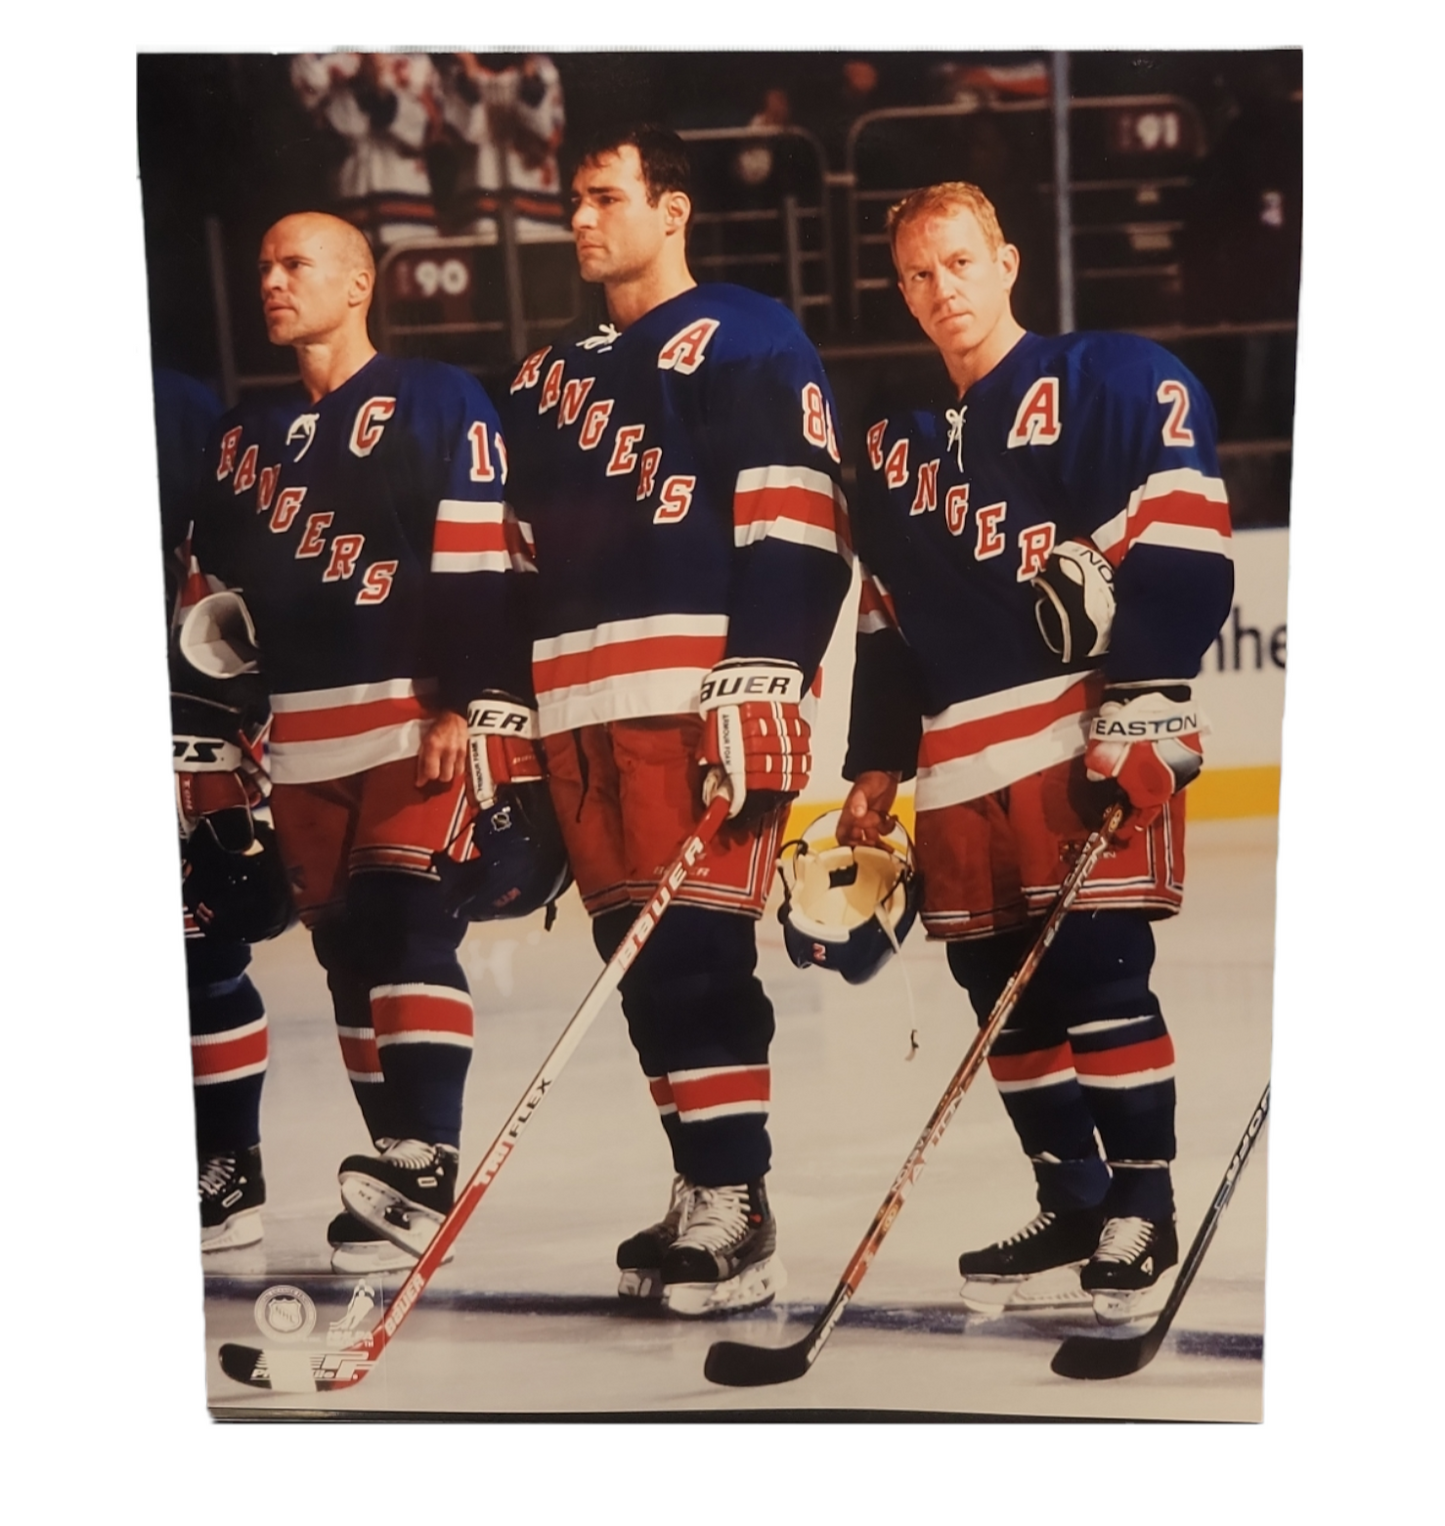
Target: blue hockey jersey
{"points": [[364, 532], [681, 479], [1104, 437]]}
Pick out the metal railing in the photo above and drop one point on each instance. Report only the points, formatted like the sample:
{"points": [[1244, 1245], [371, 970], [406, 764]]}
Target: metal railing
{"points": [[791, 254], [1188, 142]]}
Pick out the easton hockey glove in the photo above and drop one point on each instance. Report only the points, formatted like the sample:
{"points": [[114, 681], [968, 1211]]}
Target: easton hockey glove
{"points": [[1147, 739], [502, 737], [754, 736]]}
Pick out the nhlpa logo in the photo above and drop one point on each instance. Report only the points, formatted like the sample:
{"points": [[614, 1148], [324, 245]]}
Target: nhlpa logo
{"points": [[358, 1313], [302, 428]]}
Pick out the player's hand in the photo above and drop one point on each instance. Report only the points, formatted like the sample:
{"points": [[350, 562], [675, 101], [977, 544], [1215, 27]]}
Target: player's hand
{"points": [[1146, 739], [501, 735], [866, 815], [754, 735], [443, 751]]}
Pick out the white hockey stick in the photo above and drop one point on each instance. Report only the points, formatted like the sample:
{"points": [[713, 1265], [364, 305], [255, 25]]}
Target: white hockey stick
{"points": [[290, 1370]]}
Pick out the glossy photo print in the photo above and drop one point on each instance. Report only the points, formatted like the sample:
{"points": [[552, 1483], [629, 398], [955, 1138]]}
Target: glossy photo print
{"points": [[726, 645]]}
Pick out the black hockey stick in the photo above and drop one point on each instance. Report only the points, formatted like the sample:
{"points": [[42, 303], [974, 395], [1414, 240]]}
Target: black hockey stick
{"points": [[1104, 1356], [741, 1366], [293, 1370]]}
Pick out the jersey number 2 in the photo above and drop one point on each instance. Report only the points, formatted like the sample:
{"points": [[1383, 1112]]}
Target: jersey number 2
{"points": [[1177, 396]]}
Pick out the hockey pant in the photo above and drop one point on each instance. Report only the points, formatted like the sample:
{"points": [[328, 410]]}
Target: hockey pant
{"points": [[228, 1044], [627, 795], [359, 854], [1085, 1052]]}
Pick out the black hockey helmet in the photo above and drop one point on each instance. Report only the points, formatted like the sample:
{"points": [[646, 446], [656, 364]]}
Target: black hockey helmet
{"points": [[515, 859], [847, 909], [233, 881]]}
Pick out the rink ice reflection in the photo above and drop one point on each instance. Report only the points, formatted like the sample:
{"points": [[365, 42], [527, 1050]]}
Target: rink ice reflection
{"points": [[525, 1321]]}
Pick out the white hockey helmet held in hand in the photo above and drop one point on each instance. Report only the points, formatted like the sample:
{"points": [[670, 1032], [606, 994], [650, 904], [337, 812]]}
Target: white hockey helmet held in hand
{"points": [[847, 909]]}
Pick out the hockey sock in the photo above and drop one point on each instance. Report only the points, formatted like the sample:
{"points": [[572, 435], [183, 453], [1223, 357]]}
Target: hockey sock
{"points": [[335, 944], [701, 1022], [420, 1008], [228, 1046]]}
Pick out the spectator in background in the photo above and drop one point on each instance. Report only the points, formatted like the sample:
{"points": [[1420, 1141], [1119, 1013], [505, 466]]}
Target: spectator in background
{"points": [[383, 106], [505, 125]]}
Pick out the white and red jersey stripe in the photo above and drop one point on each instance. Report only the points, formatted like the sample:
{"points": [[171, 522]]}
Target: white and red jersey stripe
{"points": [[419, 1013], [1037, 1068], [793, 503], [625, 669], [1140, 1064], [230, 1054], [481, 537], [321, 734], [1182, 508], [981, 745], [875, 606], [719, 1091]]}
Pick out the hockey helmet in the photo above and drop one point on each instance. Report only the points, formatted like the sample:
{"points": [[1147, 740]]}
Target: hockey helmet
{"points": [[514, 859], [847, 909], [233, 880]]}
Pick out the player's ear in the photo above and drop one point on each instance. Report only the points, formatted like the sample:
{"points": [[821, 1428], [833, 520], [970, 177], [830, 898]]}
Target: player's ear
{"points": [[359, 292], [677, 208], [1008, 258]]}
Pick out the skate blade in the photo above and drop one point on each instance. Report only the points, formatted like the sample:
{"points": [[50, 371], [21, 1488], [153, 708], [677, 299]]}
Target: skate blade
{"points": [[357, 1258], [1118, 1306], [404, 1223], [750, 1289], [642, 1283], [239, 1230], [1055, 1290]]}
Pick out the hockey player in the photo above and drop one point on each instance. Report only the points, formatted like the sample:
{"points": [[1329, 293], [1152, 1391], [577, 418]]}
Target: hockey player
{"points": [[229, 1041], [354, 521], [1047, 557], [679, 471]]}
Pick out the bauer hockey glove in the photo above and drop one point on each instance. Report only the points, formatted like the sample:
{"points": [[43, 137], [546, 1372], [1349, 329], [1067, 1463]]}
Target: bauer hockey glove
{"points": [[755, 740], [1146, 738], [502, 746]]}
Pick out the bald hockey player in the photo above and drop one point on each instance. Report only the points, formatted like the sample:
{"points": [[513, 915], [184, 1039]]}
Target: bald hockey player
{"points": [[679, 471], [1048, 557], [354, 523]]}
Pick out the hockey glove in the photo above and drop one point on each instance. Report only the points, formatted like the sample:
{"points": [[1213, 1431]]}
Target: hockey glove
{"points": [[1147, 739], [502, 745], [1074, 605], [217, 768], [755, 740]]}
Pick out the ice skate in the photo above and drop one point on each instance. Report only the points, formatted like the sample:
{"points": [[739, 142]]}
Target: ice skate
{"points": [[358, 1250], [404, 1193], [1126, 1274], [639, 1258], [1035, 1269], [724, 1257], [232, 1191]]}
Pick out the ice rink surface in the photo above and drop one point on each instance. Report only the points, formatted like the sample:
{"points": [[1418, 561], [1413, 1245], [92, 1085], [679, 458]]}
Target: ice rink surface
{"points": [[525, 1321]]}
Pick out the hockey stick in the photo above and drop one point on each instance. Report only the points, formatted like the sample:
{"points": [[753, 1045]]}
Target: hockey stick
{"points": [[741, 1366], [1103, 1356], [297, 1371]]}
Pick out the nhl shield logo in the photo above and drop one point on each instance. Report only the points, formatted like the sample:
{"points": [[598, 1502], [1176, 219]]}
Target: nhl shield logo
{"points": [[285, 1312]]}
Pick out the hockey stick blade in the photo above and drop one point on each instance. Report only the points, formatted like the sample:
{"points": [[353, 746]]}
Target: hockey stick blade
{"points": [[739, 1366], [289, 1370], [736, 1365], [1106, 1356]]}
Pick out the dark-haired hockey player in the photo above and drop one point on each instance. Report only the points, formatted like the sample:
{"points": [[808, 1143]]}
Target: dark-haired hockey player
{"points": [[679, 470], [1048, 558], [356, 521]]}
